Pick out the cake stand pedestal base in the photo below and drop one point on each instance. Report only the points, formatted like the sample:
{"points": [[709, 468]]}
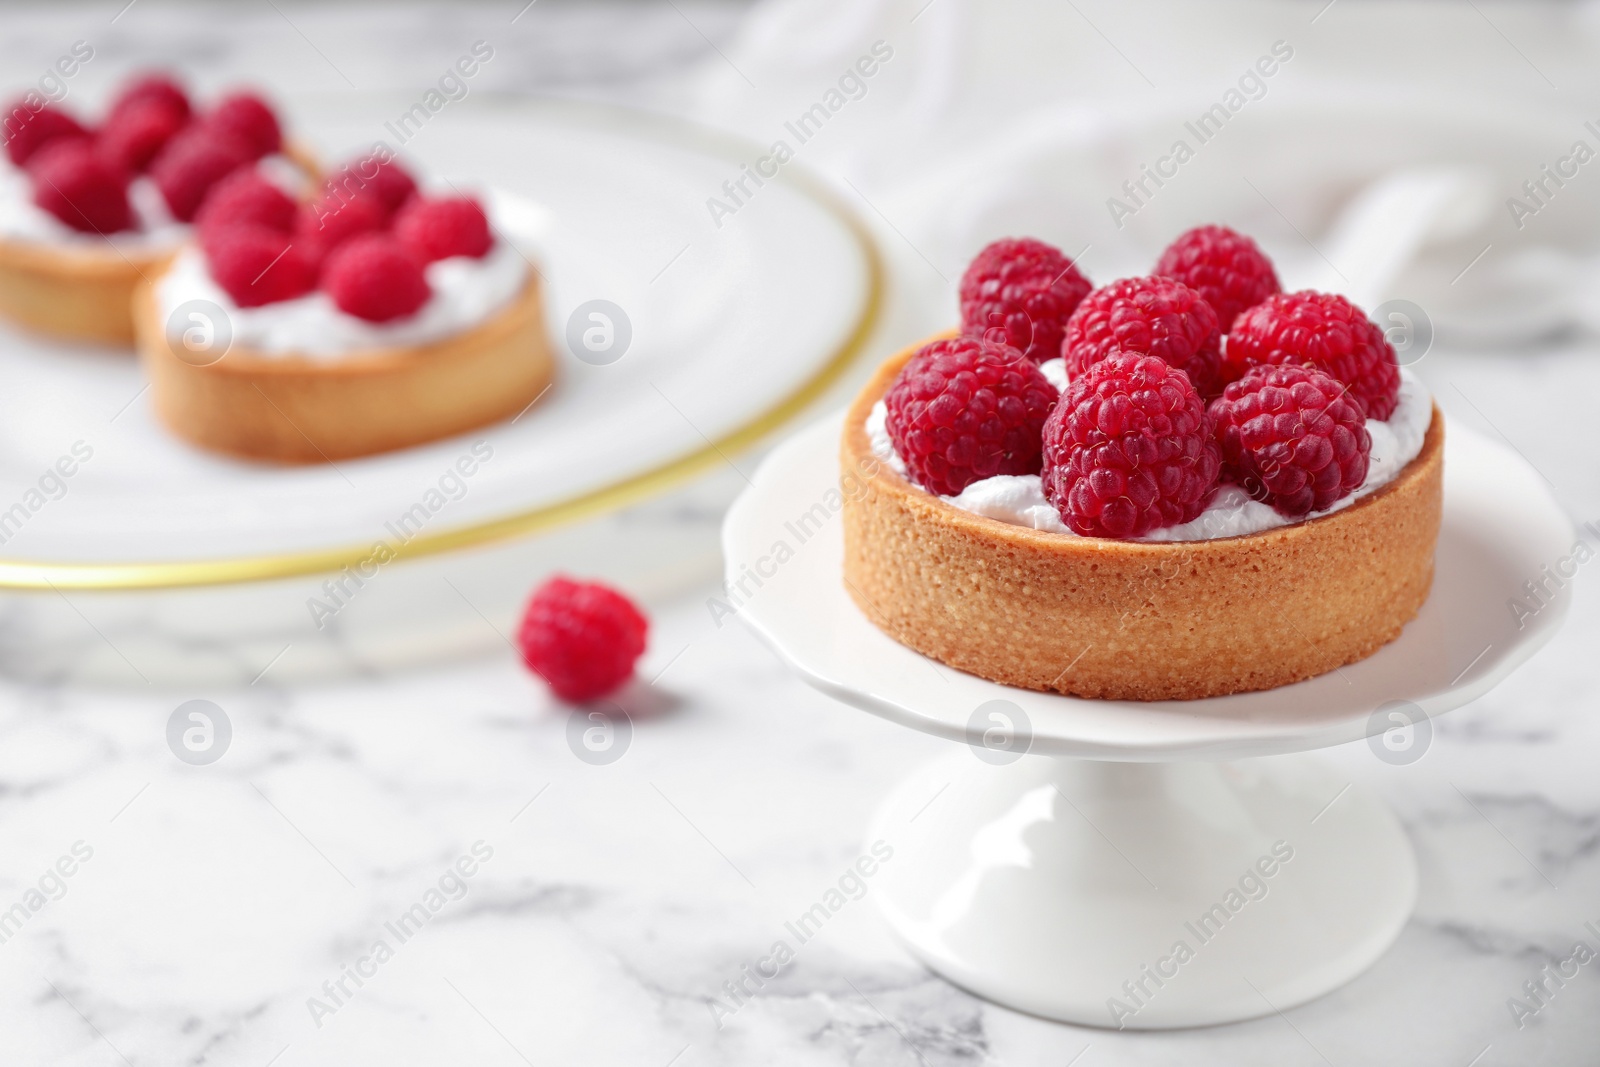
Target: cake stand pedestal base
{"points": [[1142, 895], [1122, 874]]}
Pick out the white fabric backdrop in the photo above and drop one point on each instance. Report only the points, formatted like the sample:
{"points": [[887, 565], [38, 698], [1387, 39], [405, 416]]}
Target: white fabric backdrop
{"points": [[1016, 116]]}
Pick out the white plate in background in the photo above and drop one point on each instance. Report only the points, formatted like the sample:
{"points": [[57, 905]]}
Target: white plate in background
{"points": [[164, 565], [730, 324]]}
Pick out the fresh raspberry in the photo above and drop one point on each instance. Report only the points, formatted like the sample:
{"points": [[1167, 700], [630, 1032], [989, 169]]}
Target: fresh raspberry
{"points": [[191, 163], [439, 229], [246, 196], [1292, 437], [1154, 316], [1129, 449], [966, 408], [76, 186], [333, 221], [387, 180], [153, 86], [392, 183], [373, 277], [131, 138], [246, 116], [582, 638], [1224, 267], [27, 130], [1025, 288], [257, 265], [1329, 333]]}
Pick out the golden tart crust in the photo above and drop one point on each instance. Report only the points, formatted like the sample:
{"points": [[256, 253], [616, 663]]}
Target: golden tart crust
{"points": [[1126, 620], [75, 293], [292, 409]]}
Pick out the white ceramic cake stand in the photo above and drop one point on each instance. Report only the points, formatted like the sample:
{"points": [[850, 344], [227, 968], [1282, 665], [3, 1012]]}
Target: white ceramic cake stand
{"points": [[1119, 873]]}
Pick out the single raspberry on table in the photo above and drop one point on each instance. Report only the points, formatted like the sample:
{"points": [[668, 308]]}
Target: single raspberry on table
{"points": [[333, 221], [966, 408], [249, 118], [258, 265], [373, 277], [385, 179], [131, 138], [1224, 267], [193, 162], [1327, 332], [28, 129], [246, 196], [1024, 288], [439, 229], [76, 186], [1155, 316], [153, 86], [1292, 437], [582, 638], [1129, 449]]}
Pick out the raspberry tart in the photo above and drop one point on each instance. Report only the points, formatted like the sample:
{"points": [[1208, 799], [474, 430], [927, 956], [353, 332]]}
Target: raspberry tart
{"points": [[86, 214], [1173, 508], [373, 317]]}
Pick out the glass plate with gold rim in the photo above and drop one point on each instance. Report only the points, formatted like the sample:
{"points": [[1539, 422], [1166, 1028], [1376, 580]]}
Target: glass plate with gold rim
{"points": [[737, 320], [154, 562]]}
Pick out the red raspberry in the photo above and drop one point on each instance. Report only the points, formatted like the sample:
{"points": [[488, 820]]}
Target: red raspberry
{"points": [[392, 183], [582, 638], [257, 265], [1129, 449], [966, 408], [131, 138], [27, 130], [386, 180], [373, 277], [245, 196], [1154, 316], [1226, 268], [147, 87], [333, 221], [76, 186], [439, 229], [1292, 437], [1329, 333], [191, 163], [1027, 289], [246, 116]]}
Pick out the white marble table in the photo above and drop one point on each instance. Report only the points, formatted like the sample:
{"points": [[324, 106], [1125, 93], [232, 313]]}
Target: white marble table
{"points": [[619, 899], [219, 906]]}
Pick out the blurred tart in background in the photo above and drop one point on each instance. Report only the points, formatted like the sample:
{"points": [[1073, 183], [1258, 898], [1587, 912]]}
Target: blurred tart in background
{"points": [[89, 212], [373, 317]]}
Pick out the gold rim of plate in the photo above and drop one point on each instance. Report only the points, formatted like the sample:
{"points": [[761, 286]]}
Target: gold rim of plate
{"points": [[169, 574]]}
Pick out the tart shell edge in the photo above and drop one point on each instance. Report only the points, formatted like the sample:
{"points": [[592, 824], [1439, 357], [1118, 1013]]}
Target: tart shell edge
{"points": [[1127, 620], [292, 409]]}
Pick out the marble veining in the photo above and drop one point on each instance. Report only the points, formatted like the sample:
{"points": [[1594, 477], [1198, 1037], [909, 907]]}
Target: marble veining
{"points": [[620, 899]]}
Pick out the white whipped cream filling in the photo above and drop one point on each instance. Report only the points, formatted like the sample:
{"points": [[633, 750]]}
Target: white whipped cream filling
{"points": [[1019, 499], [466, 291], [155, 229]]}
